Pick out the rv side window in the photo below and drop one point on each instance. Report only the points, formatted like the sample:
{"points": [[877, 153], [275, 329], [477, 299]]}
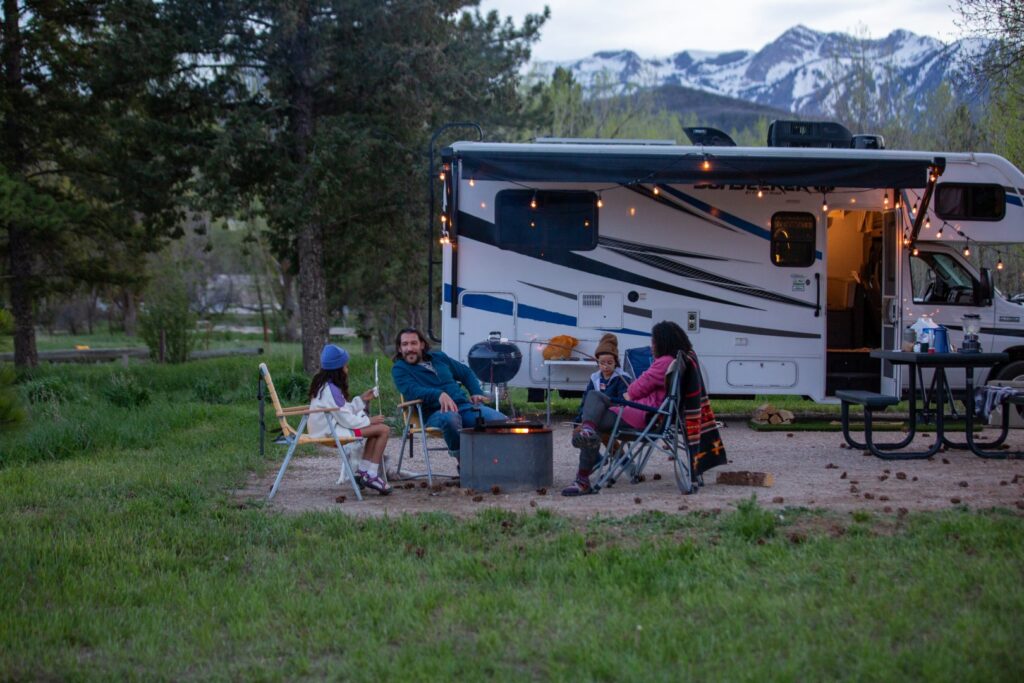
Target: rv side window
{"points": [[965, 201], [939, 278], [793, 239], [544, 221]]}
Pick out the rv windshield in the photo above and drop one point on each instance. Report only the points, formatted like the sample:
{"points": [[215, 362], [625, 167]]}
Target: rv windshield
{"points": [[940, 278]]}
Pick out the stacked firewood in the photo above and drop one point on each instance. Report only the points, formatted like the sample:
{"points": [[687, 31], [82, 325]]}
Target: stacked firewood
{"points": [[766, 413]]}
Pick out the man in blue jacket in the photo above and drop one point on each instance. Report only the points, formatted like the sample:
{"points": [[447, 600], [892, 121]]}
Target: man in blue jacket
{"points": [[438, 380]]}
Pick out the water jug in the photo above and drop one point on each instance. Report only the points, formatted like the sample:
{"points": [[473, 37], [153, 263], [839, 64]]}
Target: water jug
{"points": [[941, 340]]}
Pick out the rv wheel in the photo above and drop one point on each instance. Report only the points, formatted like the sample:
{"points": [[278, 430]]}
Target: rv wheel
{"points": [[1013, 372]]}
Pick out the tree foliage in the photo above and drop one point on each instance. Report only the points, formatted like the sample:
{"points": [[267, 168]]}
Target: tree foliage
{"points": [[327, 106]]}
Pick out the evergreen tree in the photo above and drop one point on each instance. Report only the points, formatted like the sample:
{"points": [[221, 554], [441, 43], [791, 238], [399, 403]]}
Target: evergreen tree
{"points": [[327, 106]]}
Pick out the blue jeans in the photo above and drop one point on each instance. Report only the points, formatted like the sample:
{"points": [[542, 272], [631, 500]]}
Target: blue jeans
{"points": [[451, 423]]}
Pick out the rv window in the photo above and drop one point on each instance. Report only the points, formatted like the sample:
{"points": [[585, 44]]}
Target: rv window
{"points": [[964, 201], [940, 278], [793, 239], [545, 221]]}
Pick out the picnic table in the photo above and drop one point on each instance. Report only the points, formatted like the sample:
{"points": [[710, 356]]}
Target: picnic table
{"points": [[941, 363]]}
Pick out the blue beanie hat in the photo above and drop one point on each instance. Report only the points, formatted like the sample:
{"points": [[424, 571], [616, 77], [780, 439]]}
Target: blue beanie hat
{"points": [[333, 357]]}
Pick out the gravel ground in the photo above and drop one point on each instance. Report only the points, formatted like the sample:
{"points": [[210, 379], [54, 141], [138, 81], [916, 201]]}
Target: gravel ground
{"points": [[810, 469]]}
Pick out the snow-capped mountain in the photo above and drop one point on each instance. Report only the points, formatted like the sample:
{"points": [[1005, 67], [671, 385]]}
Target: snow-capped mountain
{"points": [[803, 70]]}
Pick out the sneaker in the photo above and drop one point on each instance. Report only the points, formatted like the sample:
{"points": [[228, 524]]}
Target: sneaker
{"points": [[376, 483], [585, 437], [580, 487]]}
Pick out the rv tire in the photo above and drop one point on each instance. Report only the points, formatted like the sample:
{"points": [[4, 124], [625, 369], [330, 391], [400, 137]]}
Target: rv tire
{"points": [[1014, 370]]}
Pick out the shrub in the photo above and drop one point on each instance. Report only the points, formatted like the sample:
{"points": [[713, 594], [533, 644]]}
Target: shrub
{"points": [[167, 315], [47, 390], [293, 387], [125, 392], [11, 411]]}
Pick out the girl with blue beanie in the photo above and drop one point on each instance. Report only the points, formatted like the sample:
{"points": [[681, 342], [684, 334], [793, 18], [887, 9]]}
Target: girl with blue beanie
{"points": [[329, 389]]}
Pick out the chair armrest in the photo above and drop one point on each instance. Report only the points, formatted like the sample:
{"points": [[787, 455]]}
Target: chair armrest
{"points": [[632, 404], [406, 404], [288, 412]]}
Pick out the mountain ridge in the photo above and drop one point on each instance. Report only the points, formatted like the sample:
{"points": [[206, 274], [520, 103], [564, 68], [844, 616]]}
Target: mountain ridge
{"points": [[803, 71]]}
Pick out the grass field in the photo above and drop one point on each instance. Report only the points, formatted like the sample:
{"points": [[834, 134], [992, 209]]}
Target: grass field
{"points": [[123, 554]]}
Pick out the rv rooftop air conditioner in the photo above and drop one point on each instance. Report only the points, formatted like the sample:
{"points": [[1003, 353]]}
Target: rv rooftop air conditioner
{"points": [[709, 137], [808, 134], [868, 142]]}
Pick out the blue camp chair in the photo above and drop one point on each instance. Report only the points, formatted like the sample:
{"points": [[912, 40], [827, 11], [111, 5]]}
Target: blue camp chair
{"points": [[637, 361], [630, 449]]}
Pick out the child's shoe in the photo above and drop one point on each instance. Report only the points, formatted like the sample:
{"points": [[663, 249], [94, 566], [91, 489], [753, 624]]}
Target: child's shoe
{"points": [[375, 482], [580, 487], [585, 437]]}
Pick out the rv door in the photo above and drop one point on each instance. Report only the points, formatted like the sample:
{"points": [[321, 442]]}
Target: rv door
{"points": [[891, 309]]}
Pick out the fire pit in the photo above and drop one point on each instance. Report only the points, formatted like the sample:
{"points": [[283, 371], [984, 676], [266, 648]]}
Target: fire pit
{"points": [[515, 456]]}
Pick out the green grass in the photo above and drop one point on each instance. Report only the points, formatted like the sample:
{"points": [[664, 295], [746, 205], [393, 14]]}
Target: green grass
{"points": [[123, 555]]}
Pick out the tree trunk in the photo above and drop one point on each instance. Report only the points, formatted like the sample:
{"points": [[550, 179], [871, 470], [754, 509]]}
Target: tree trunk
{"points": [[18, 239], [131, 313], [312, 283], [289, 307]]}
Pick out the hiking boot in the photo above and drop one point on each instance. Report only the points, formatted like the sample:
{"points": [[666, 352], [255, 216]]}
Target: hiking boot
{"points": [[580, 487], [585, 437]]}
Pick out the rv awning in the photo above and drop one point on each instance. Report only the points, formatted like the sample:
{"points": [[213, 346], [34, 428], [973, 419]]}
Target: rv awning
{"points": [[686, 165]]}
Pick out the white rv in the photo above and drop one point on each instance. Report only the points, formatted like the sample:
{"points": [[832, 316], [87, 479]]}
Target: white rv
{"points": [[785, 265]]}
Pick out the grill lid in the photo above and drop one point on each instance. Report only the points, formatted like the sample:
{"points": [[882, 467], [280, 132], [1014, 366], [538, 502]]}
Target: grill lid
{"points": [[495, 362]]}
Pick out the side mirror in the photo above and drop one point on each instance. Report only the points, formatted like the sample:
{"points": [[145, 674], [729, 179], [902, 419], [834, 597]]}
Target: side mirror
{"points": [[984, 297]]}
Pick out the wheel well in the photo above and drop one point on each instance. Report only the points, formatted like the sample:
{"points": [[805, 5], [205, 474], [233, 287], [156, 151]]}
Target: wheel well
{"points": [[1016, 354]]}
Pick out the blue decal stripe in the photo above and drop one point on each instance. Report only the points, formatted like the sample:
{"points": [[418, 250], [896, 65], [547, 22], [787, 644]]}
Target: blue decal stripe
{"points": [[1014, 199], [729, 218]]}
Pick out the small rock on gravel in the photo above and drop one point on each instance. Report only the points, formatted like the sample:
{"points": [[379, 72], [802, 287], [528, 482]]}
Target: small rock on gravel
{"points": [[477, 499], [341, 499]]}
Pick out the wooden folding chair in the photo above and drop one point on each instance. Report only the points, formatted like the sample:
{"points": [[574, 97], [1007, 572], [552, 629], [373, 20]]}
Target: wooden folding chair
{"points": [[295, 437], [413, 424]]}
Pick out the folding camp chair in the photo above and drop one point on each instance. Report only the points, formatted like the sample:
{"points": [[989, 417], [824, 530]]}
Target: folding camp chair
{"points": [[295, 437], [414, 424], [630, 449], [637, 361]]}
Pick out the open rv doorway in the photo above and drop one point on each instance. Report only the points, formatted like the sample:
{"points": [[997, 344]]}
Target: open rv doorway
{"points": [[860, 290]]}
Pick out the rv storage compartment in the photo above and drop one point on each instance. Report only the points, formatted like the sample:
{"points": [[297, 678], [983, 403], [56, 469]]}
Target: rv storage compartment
{"points": [[760, 373]]}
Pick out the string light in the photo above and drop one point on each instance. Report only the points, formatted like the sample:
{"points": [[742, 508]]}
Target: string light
{"points": [[444, 218], [760, 193], [656, 190], [967, 250], [824, 202], [441, 175], [927, 222], [706, 165], [472, 183], [853, 200], [600, 202], [896, 202], [914, 209], [906, 240], [533, 201], [885, 199], [915, 252], [999, 263], [938, 235], [632, 211]]}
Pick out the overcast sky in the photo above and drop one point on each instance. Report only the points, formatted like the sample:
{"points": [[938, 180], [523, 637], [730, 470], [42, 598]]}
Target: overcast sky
{"points": [[658, 28]]}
